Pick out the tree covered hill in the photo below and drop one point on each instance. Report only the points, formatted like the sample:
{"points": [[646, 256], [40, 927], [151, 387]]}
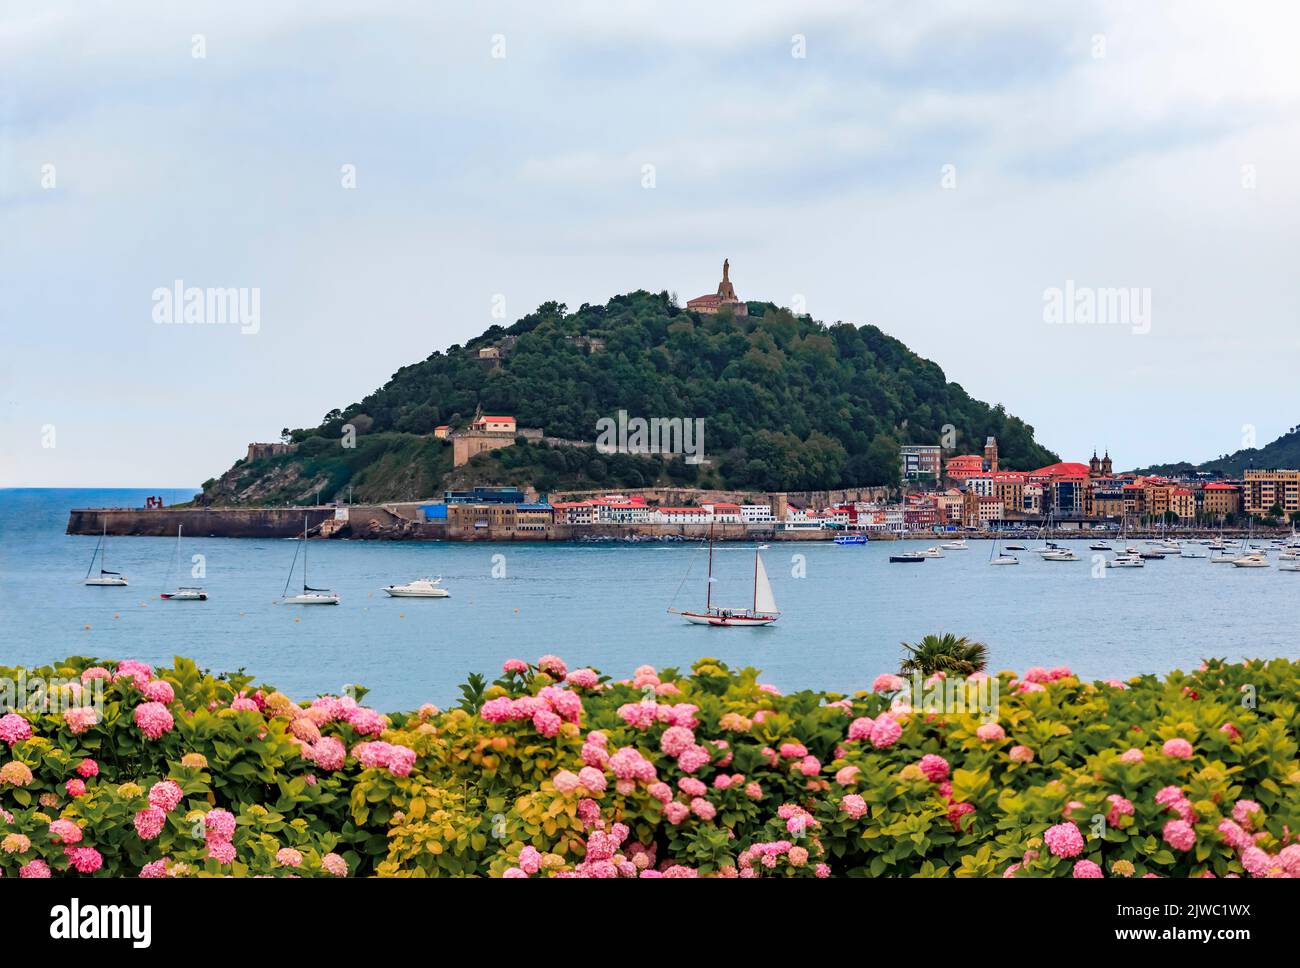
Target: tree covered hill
{"points": [[1283, 452], [788, 404]]}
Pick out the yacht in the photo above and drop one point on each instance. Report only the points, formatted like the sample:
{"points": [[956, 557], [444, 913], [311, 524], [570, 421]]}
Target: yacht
{"points": [[850, 539], [1126, 561], [1293, 565], [1190, 552], [1060, 554], [420, 588], [907, 558], [957, 545], [1250, 561], [931, 552], [1100, 546], [1014, 547]]}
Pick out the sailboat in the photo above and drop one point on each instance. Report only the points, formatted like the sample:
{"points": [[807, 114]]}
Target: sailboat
{"points": [[1002, 558], [105, 578], [309, 596], [763, 610], [183, 593]]}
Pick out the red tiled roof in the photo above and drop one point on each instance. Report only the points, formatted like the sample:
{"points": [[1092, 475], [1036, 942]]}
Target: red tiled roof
{"points": [[1061, 469]]}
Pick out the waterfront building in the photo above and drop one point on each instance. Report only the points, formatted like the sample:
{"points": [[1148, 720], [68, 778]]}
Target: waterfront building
{"points": [[486, 495], [723, 512], [533, 517], [574, 512], [1265, 491], [963, 466], [724, 298], [991, 454], [1220, 500], [1031, 501], [666, 515], [920, 462], [1182, 502], [756, 513]]}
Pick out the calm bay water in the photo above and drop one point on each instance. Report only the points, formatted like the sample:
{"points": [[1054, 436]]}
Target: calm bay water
{"points": [[605, 605]]}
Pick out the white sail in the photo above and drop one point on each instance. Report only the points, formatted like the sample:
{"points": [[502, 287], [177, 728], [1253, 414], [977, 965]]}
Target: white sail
{"points": [[764, 600]]}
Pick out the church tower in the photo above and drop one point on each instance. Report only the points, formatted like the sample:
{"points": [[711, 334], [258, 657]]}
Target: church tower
{"points": [[1094, 465], [1107, 469], [726, 291]]}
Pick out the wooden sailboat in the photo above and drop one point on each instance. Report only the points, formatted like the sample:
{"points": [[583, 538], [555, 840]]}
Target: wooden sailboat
{"points": [[762, 611], [183, 593], [309, 595], [105, 578]]}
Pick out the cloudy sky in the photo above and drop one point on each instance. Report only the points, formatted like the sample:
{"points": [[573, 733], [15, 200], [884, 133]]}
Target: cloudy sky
{"points": [[924, 166]]}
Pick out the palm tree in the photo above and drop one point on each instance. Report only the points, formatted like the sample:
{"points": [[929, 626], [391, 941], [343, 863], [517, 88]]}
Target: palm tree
{"points": [[945, 653]]}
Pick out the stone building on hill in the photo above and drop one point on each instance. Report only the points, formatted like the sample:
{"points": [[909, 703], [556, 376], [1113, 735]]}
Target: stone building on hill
{"points": [[724, 297]]}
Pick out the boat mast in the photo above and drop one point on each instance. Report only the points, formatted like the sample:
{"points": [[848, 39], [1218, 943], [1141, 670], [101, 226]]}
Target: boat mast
{"points": [[755, 608], [304, 553], [708, 590]]}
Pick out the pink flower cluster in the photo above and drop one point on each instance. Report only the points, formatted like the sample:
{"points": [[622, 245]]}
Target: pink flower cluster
{"points": [[219, 826], [548, 710], [154, 719], [398, 760], [80, 718], [14, 728], [1064, 840]]}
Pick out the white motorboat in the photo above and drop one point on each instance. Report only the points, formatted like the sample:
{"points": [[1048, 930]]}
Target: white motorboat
{"points": [[1225, 559], [1250, 561], [932, 552], [183, 593], [1289, 566], [958, 545], [763, 609], [1100, 546], [309, 595], [420, 588], [1190, 552], [1060, 554], [1015, 547], [1126, 561], [105, 578]]}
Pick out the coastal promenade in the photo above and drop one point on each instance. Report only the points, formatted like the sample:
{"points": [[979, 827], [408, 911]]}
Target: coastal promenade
{"points": [[401, 522]]}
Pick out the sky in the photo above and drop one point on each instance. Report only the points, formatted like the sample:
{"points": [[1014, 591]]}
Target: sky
{"points": [[383, 176]]}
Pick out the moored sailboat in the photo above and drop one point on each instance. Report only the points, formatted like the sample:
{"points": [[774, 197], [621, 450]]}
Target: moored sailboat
{"points": [[762, 611], [182, 593], [309, 595], [105, 578]]}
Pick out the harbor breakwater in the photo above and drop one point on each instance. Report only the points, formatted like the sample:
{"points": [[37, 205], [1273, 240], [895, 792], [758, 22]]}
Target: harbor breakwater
{"points": [[394, 522]]}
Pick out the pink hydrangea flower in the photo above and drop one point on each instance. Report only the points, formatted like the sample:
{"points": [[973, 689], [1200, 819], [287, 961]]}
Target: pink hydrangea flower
{"points": [[1244, 812], [592, 779], [14, 729], [288, 857], [703, 808], [149, 822], [1119, 807], [1179, 835], [692, 758], [676, 812], [1021, 754], [65, 832], [86, 860], [934, 767], [1178, 748], [220, 824], [154, 719], [1064, 840], [165, 795], [76, 787], [333, 864], [854, 806], [15, 773], [1086, 868], [583, 678], [553, 666], [676, 739], [222, 851], [511, 666], [35, 869], [88, 768], [886, 682], [159, 690], [991, 732], [80, 718], [847, 775], [1132, 755], [885, 732]]}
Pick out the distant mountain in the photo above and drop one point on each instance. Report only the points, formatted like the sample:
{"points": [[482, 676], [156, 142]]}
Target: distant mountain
{"points": [[1283, 452], [788, 404]]}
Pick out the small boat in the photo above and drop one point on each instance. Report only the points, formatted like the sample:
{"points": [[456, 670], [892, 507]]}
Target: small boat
{"points": [[1152, 555], [420, 588], [762, 611], [1015, 547], [1190, 552], [1250, 561], [1289, 566], [931, 552], [1226, 559], [907, 558], [105, 578], [1060, 554], [183, 593], [958, 545], [1126, 561], [850, 539], [1004, 559], [309, 595], [1100, 546]]}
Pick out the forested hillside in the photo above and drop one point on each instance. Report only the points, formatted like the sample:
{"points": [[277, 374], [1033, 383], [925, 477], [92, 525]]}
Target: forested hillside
{"points": [[788, 404]]}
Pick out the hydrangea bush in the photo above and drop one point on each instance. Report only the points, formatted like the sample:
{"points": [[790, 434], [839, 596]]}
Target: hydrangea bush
{"points": [[549, 772]]}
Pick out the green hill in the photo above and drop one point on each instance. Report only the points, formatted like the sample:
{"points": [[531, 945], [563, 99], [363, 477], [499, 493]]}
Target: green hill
{"points": [[788, 404], [1283, 452]]}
